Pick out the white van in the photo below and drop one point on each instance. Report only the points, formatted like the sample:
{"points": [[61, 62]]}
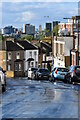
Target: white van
{"points": [[31, 73]]}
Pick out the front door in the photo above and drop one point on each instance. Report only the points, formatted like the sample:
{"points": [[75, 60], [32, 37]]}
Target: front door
{"points": [[19, 69]]}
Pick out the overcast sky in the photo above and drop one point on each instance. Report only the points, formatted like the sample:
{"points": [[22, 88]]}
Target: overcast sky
{"points": [[17, 13]]}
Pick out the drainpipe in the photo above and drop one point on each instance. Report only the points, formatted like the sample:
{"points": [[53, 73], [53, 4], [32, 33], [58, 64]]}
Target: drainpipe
{"points": [[78, 44], [73, 35]]}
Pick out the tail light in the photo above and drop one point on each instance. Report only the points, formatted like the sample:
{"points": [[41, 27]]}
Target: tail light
{"points": [[74, 71], [56, 72]]}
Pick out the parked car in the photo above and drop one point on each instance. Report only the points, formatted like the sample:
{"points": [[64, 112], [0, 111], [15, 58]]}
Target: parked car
{"points": [[31, 73], [73, 75], [42, 73], [2, 80], [58, 73]]}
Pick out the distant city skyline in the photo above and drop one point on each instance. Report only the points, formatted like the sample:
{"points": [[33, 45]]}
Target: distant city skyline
{"points": [[19, 13]]}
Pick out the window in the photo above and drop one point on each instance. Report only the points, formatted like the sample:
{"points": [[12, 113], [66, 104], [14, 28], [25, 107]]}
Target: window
{"points": [[28, 64], [61, 48], [18, 55], [20, 67], [50, 53], [56, 48], [9, 67], [30, 54], [36, 64], [35, 55], [32, 64], [16, 67], [9, 55]]}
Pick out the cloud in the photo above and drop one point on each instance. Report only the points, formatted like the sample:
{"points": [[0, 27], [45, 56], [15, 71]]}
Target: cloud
{"points": [[38, 5], [41, 1], [26, 16], [33, 13], [18, 7], [0, 13]]}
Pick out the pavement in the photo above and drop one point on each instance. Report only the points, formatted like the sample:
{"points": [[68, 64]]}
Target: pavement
{"points": [[39, 99]]}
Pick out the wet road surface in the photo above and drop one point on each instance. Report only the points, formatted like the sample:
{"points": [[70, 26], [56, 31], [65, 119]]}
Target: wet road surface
{"points": [[39, 99]]}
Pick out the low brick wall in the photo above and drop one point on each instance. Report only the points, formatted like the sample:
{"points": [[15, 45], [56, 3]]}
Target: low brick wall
{"points": [[9, 74]]}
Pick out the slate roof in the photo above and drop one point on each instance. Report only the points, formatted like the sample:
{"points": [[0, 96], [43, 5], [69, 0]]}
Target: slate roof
{"points": [[11, 46], [27, 45], [47, 46]]}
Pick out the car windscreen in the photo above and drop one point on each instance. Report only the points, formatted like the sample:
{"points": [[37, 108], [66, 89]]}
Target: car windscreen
{"points": [[62, 70], [34, 69], [77, 68], [53, 70], [44, 70]]}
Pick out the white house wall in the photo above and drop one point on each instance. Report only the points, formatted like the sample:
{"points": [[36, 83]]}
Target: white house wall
{"points": [[58, 63], [27, 56], [68, 45]]}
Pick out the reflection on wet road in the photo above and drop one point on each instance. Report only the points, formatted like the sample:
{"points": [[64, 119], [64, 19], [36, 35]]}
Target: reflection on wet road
{"points": [[39, 99]]}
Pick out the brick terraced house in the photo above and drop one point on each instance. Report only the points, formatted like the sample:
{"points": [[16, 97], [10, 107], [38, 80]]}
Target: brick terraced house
{"points": [[14, 59]]}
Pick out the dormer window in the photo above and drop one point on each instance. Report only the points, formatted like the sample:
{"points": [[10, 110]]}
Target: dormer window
{"points": [[18, 55]]}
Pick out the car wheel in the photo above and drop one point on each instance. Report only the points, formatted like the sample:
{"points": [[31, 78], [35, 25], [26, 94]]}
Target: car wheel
{"points": [[69, 79], [33, 77], [53, 79], [3, 88], [65, 81], [37, 77], [50, 79]]}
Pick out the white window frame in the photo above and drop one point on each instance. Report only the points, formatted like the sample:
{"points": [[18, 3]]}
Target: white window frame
{"points": [[35, 54], [30, 54], [9, 55], [20, 67], [36, 64], [17, 55], [9, 67]]}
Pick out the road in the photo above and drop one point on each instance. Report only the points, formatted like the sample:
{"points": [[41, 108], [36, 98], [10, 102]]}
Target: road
{"points": [[39, 99]]}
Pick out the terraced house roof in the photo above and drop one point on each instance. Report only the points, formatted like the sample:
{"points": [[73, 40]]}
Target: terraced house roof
{"points": [[27, 45], [12, 46]]}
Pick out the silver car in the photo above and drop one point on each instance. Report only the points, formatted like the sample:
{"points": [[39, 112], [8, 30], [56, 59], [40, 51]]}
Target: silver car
{"points": [[2, 80], [59, 73]]}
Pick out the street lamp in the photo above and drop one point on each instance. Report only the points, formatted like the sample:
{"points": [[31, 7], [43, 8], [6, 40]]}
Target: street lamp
{"points": [[67, 18], [47, 18]]}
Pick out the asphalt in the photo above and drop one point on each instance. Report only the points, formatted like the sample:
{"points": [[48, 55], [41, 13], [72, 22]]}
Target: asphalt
{"points": [[39, 99]]}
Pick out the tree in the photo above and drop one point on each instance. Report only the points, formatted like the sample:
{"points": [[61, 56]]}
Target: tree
{"points": [[48, 33], [0, 37], [55, 30], [28, 37], [41, 36]]}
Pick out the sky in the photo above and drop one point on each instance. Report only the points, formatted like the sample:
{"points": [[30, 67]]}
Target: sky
{"points": [[17, 13]]}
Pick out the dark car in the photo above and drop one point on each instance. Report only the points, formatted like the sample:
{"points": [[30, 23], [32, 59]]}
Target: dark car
{"points": [[73, 75], [42, 73]]}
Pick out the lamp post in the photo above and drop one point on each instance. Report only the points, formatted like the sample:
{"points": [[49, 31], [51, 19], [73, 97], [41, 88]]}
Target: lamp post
{"points": [[46, 17], [41, 52]]}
